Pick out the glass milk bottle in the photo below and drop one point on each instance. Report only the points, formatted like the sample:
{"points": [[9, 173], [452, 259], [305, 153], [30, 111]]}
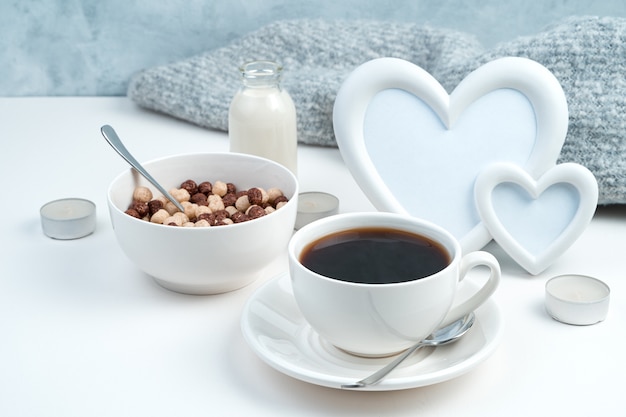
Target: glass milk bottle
{"points": [[262, 116]]}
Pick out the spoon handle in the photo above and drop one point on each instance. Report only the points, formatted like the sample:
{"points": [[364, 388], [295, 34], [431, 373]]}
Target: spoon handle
{"points": [[109, 134], [442, 336], [382, 372]]}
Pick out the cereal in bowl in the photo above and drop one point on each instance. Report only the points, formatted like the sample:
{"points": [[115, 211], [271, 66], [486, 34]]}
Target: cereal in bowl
{"points": [[206, 204]]}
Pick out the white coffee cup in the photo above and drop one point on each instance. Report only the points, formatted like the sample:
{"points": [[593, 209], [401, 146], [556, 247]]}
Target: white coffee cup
{"points": [[383, 319]]}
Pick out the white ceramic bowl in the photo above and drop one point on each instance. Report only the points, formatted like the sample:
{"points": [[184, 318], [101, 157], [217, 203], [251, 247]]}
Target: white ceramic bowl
{"points": [[205, 260]]}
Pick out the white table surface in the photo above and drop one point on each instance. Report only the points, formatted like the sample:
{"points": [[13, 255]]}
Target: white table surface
{"points": [[84, 333]]}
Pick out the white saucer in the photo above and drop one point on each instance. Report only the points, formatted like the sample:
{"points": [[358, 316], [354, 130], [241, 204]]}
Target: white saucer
{"points": [[274, 328]]}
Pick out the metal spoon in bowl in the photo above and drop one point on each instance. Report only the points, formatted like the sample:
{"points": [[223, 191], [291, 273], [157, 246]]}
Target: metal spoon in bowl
{"points": [[114, 140], [443, 336]]}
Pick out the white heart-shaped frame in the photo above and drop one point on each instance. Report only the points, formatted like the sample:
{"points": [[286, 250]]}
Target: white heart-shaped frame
{"points": [[414, 149], [536, 225]]}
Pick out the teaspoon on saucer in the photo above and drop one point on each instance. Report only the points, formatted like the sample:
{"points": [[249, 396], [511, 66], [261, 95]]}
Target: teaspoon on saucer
{"points": [[109, 134], [443, 336]]}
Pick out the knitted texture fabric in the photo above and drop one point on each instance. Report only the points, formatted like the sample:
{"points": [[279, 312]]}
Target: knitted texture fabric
{"points": [[317, 56], [586, 54]]}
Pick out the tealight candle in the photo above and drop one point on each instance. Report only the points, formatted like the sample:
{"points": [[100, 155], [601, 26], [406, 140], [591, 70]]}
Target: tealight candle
{"points": [[314, 206], [577, 299], [68, 218]]}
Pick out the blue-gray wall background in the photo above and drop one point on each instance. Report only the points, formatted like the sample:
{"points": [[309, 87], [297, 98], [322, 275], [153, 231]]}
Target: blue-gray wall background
{"points": [[92, 47]]}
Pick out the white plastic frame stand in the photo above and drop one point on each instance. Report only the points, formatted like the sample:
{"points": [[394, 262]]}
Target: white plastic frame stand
{"points": [[415, 149]]}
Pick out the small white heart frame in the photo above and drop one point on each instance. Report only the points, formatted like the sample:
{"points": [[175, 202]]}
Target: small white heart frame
{"points": [[535, 221], [415, 149]]}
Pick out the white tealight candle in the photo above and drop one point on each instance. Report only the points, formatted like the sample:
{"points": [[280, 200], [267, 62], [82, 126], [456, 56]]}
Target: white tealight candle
{"points": [[68, 218], [314, 206], [577, 299]]}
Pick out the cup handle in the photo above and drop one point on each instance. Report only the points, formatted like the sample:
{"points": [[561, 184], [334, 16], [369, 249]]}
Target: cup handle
{"points": [[468, 262]]}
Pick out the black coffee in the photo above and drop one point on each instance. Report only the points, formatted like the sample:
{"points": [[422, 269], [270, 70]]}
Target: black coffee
{"points": [[375, 256]]}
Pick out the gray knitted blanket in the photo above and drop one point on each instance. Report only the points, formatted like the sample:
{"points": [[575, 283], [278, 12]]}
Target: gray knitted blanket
{"points": [[586, 54]]}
